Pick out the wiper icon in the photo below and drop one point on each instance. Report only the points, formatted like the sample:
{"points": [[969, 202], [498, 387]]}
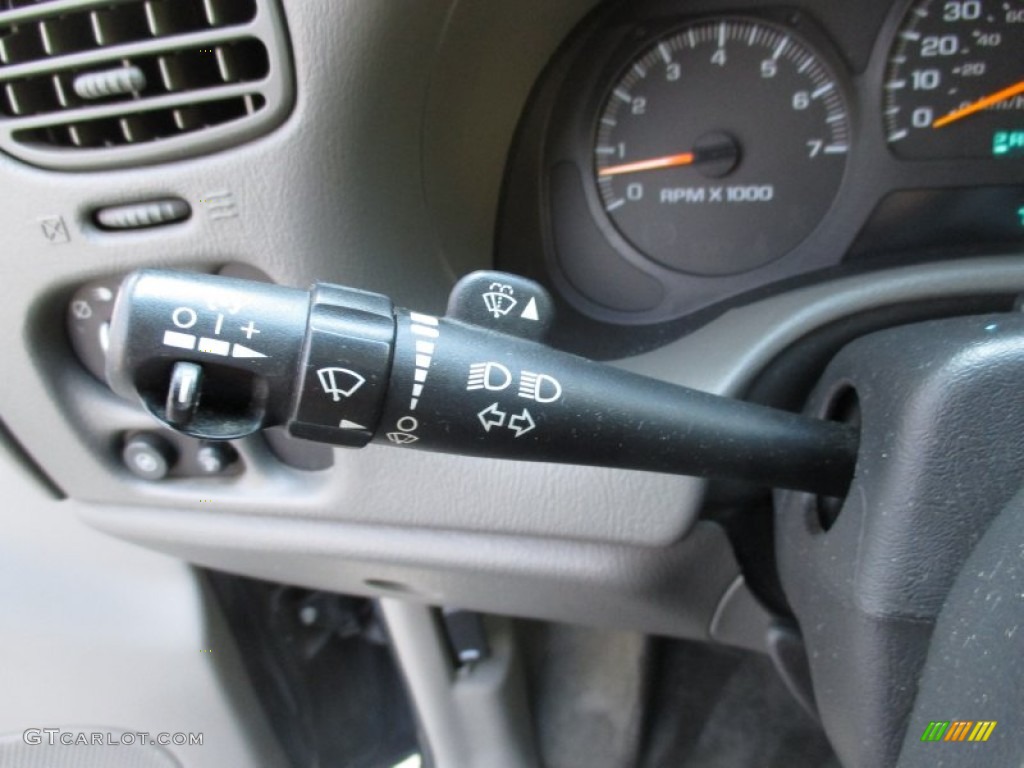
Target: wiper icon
{"points": [[498, 299], [340, 382]]}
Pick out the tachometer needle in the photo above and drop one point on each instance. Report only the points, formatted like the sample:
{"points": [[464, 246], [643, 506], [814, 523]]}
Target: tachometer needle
{"points": [[980, 104], [668, 161]]}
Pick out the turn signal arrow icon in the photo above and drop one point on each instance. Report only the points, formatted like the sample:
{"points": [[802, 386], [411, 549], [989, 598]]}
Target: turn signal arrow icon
{"points": [[491, 417], [522, 423]]}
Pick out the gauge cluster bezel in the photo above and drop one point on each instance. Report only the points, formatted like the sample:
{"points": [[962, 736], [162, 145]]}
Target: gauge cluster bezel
{"points": [[542, 236], [761, 129]]}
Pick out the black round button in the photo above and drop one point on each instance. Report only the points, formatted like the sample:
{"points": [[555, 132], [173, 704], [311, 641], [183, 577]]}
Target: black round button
{"points": [[148, 456]]}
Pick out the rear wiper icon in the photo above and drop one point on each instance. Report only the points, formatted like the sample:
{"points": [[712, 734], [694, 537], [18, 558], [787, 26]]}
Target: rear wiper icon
{"points": [[340, 382]]}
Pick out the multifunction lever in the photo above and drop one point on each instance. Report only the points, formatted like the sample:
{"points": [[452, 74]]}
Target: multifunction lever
{"points": [[220, 358]]}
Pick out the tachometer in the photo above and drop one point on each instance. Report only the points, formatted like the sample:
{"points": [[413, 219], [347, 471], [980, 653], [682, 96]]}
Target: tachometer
{"points": [[955, 81], [721, 146]]}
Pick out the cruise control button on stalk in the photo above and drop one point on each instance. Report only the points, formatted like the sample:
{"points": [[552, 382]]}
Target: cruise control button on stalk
{"points": [[245, 335], [184, 392]]}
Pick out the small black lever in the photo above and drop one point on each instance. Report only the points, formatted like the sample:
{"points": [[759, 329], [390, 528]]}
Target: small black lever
{"points": [[183, 393], [219, 358]]}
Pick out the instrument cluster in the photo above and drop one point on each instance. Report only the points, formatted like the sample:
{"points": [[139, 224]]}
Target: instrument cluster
{"points": [[678, 155]]}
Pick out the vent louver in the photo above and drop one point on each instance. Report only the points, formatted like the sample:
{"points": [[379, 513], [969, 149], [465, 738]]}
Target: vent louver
{"points": [[109, 83]]}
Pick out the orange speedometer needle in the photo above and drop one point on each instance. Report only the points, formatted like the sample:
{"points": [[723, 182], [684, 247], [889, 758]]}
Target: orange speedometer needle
{"points": [[980, 104], [668, 161]]}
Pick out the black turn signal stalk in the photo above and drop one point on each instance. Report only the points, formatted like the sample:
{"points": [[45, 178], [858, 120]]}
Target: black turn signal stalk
{"points": [[220, 358]]}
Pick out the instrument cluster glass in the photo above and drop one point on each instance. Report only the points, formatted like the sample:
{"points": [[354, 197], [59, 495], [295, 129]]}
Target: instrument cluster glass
{"points": [[721, 145]]}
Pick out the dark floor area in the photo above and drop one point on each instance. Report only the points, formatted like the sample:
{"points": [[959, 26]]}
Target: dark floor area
{"points": [[713, 707]]}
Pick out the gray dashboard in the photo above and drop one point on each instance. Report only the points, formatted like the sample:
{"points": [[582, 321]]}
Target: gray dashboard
{"points": [[389, 175]]}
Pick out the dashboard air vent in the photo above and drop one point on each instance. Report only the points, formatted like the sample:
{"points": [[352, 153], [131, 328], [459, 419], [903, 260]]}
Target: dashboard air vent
{"points": [[88, 84]]}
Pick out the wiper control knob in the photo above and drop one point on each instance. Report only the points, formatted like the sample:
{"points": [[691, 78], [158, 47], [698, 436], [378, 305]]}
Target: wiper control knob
{"points": [[220, 358]]}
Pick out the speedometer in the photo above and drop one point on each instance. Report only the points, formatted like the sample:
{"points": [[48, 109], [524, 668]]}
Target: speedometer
{"points": [[721, 146], [955, 80]]}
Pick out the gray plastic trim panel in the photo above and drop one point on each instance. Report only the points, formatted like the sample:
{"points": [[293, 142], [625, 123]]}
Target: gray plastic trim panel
{"points": [[472, 716], [103, 636]]}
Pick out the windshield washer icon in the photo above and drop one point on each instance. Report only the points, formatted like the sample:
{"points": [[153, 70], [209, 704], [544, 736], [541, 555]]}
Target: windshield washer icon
{"points": [[498, 299], [340, 382]]}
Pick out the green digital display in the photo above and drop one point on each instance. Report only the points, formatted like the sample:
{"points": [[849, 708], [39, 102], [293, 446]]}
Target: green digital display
{"points": [[1008, 143]]}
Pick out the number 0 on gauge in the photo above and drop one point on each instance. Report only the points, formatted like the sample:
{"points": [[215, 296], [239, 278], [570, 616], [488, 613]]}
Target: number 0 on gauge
{"points": [[721, 146], [955, 81]]}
